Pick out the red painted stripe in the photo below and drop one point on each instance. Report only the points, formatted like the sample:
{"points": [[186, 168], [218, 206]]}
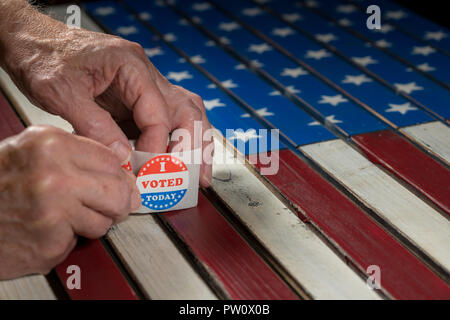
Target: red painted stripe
{"points": [[409, 163], [241, 271], [362, 240], [100, 277]]}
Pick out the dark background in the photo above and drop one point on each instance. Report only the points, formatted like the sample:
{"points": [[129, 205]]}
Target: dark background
{"points": [[435, 10]]}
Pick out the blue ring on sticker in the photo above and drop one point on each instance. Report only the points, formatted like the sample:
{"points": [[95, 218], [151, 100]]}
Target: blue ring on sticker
{"points": [[163, 182]]}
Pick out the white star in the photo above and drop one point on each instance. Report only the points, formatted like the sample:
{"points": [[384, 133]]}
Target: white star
{"points": [[145, 16], [201, 6], [364, 61], [292, 17], [396, 15], [253, 64], [407, 87], [227, 84], [330, 119], [436, 35], [245, 136], [294, 72], [345, 22], [229, 26], [261, 112], [283, 32], [402, 108], [288, 89], [333, 100], [317, 54], [170, 37], [424, 67], [325, 37], [179, 76], [104, 11], [426, 50], [127, 30], [356, 80], [259, 48], [252, 12], [385, 28], [198, 59], [383, 43], [211, 104], [346, 8], [151, 52]]}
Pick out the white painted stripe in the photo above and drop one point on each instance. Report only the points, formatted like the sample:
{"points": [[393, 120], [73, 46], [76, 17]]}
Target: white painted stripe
{"points": [[155, 262], [33, 287], [319, 270], [433, 136], [412, 217]]}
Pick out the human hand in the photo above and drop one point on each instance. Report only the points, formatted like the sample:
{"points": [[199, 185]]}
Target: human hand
{"points": [[53, 187], [100, 82]]}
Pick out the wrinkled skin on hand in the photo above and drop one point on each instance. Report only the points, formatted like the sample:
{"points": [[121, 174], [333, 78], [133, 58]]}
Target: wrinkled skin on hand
{"points": [[97, 81], [53, 187]]}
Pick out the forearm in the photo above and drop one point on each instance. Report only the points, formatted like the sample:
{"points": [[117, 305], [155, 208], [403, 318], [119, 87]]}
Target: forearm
{"points": [[25, 33], [23, 30]]}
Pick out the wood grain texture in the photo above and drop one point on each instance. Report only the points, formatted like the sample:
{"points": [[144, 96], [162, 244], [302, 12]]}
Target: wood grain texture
{"points": [[309, 261], [156, 264], [357, 236], [219, 248], [100, 278], [433, 136], [34, 287], [407, 162], [412, 217]]}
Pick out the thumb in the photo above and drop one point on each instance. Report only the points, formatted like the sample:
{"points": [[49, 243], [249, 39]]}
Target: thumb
{"points": [[92, 121]]}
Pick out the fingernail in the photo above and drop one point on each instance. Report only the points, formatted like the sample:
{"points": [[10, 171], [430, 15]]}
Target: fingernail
{"points": [[135, 201], [122, 151]]}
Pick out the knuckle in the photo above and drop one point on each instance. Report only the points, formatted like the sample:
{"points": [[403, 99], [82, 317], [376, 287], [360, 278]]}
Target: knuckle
{"points": [[194, 112]]}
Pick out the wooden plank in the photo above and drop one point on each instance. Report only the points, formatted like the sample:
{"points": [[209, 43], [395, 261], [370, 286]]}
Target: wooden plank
{"points": [[33, 287], [407, 162], [155, 263], [413, 218], [100, 278], [309, 261], [227, 256], [433, 136], [357, 236]]}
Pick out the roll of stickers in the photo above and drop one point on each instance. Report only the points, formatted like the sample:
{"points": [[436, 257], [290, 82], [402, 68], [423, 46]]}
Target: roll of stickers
{"points": [[166, 181]]}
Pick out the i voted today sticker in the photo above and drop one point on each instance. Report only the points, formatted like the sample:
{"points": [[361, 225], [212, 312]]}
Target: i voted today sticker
{"points": [[163, 182]]}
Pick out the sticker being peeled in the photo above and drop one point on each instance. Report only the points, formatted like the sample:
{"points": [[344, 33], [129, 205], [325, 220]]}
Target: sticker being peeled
{"points": [[163, 182], [166, 181]]}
